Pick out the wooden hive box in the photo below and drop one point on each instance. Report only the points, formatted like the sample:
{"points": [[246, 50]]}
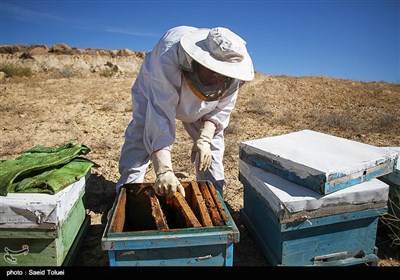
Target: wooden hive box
{"points": [[149, 230], [295, 226], [41, 229], [392, 219], [318, 161]]}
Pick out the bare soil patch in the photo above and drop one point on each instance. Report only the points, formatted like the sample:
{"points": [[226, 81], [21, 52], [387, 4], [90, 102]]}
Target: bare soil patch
{"points": [[94, 110]]}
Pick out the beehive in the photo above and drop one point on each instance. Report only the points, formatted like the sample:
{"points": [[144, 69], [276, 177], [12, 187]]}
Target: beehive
{"points": [[146, 230], [295, 226], [321, 162], [41, 229], [392, 219]]}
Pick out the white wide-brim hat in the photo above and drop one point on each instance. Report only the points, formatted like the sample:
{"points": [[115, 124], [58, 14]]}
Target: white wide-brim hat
{"points": [[221, 51]]}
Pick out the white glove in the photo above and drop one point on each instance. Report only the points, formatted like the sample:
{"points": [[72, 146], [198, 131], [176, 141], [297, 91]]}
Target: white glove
{"points": [[166, 183], [202, 145]]}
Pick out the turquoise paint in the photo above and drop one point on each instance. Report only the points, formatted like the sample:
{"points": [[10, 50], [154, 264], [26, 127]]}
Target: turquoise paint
{"points": [[321, 183], [297, 244], [203, 246]]}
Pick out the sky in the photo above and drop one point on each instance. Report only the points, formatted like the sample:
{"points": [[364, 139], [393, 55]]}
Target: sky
{"points": [[357, 40]]}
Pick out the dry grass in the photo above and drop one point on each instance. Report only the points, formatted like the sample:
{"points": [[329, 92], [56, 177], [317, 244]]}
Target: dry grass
{"points": [[95, 109], [15, 71]]}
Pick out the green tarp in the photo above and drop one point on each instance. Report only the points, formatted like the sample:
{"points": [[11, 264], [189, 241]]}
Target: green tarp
{"points": [[44, 169]]}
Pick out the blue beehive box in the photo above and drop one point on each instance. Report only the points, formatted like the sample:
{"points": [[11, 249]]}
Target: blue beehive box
{"points": [[318, 161], [392, 219], [295, 226], [148, 230]]}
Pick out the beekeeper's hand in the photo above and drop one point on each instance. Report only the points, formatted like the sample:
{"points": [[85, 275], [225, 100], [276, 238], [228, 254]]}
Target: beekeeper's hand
{"points": [[202, 146], [167, 184]]}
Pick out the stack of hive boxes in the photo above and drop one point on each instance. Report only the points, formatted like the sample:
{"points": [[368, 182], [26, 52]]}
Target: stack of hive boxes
{"points": [[313, 199], [39, 229], [392, 221]]}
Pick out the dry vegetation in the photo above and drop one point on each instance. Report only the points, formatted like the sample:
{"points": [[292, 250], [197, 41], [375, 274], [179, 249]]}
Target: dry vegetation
{"points": [[53, 107]]}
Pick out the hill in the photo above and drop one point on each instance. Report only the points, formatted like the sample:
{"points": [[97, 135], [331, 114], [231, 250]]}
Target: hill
{"points": [[64, 61]]}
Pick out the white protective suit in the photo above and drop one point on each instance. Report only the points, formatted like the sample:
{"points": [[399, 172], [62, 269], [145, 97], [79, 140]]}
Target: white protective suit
{"points": [[159, 96]]}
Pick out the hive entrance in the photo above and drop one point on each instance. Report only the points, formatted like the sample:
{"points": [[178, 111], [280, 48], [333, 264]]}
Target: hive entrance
{"points": [[139, 208]]}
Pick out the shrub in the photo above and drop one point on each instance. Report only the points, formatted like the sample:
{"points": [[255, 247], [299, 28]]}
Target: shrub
{"points": [[107, 73], [12, 70]]}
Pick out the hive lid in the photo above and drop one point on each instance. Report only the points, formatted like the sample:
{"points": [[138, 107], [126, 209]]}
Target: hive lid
{"points": [[286, 198], [321, 162]]}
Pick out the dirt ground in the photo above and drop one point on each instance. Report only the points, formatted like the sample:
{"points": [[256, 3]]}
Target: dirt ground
{"points": [[94, 110]]}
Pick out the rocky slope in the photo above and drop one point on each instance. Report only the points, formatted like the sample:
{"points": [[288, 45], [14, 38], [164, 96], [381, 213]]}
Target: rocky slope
{"points": [[69, 61]]}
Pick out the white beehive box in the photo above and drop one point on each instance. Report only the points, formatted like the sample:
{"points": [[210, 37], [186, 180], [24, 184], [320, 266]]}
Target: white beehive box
{"points": [[39, 210]]}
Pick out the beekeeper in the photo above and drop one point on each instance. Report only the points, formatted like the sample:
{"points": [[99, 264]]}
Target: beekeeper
{"points": [[193, 75]]}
